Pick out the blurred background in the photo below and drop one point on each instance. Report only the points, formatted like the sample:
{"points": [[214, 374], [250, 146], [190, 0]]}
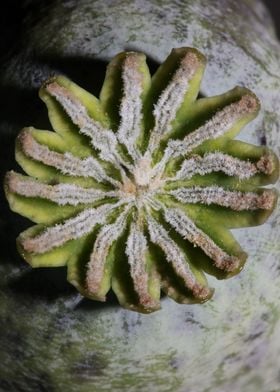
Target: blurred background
{"points": [[13, 12]]}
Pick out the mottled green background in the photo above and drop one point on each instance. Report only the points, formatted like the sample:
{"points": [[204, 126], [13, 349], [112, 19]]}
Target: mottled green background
{"points": [[53, 340]]}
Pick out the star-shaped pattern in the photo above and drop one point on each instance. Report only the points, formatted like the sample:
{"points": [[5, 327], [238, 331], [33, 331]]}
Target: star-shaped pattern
{"points": [[138, 190]]}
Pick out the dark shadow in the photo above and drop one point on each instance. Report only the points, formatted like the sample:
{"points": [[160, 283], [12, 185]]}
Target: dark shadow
{"points": [[22, 107], [46, 284], [11, 224], [88, 73], [90, 305], [274, 10], [49, 284], [11, 21]]}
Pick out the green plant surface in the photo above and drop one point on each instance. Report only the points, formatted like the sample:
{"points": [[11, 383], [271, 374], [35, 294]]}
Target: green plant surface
{"points": [[137, 190]]}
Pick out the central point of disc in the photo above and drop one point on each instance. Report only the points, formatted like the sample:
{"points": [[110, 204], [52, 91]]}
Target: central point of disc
{"points": [[143, 172], [142, 183]]}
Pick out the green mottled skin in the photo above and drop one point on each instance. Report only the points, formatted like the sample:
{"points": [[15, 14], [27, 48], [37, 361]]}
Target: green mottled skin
{"points": [[52, 340]]}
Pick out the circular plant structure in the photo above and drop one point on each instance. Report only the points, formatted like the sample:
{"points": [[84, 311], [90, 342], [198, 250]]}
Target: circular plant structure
{"points": [[52, 337]]}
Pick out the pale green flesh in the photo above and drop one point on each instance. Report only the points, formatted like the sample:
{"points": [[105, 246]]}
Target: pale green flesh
{"points": [[68, 139]]}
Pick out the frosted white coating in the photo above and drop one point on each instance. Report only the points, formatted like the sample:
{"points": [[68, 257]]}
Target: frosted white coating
{"points": [[236, 200], [172, 97], [129, 172], [131, 104]]}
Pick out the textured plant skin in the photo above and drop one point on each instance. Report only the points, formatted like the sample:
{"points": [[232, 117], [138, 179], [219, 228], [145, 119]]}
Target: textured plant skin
{"points": [[53, 339], [138, 190]]}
